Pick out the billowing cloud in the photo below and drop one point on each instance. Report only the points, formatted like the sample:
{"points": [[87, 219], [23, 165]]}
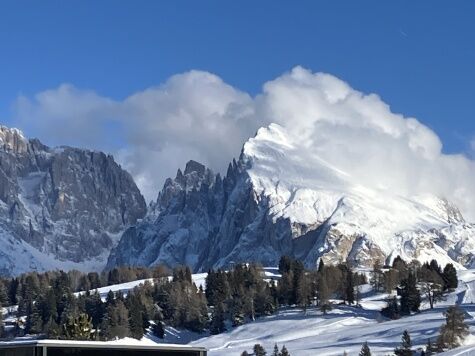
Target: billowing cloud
{"points": [[152, 133], [196, 115]]}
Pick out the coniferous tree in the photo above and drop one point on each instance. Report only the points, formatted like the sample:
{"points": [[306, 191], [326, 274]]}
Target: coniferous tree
{"points": [[349, 287], [158, 330], [1, 322], [284, 351], [455, 328], [406, 347], [431, 349], [392, 309], [450, 277], [52, 329], [259, 350], [79, 328], [34, 322], [276, 350], [410, 297], [116, 321], [217, 320], [365, 350], [245, 353], [377, 277], [4, 300]]}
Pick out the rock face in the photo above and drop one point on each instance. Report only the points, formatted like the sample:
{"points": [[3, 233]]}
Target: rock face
{"points": [[277, 200], [61, 207]]}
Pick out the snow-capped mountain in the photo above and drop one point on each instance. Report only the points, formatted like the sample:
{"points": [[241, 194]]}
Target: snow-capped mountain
{"points": [[61, 207], [282, 198]]}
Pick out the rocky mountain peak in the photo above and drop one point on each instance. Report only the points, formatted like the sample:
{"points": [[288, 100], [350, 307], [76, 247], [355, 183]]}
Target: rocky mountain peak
{"points": [[280, 199], [195, 167], [12, 140], [61, 207]]}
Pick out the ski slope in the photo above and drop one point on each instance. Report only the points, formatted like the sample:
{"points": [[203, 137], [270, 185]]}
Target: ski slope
{"points": [[342, 329]]}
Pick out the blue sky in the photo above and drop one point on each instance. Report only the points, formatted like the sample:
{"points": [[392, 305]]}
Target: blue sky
{"points": [[418, 55], [102, 74]]}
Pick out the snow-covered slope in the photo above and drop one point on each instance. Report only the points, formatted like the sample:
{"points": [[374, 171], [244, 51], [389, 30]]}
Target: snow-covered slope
{"points": [[280, 198], [60, 207]]}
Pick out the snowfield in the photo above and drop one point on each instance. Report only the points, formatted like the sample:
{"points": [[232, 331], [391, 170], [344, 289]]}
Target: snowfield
{"points": [[342, 329]]}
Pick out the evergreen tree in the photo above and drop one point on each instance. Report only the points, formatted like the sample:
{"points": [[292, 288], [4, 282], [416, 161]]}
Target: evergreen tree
{"points": [[450, 277], [377, 277], [392, 310], [365, 350], [136, 319], [284, 351], [259, 350], [79, 328], [431, 349], [1, 322], [405, 348], [304, 292], [34, 321], [245, 353], [52, 329], [4, 300], [217, 320], [158, 330], [116, 321], [276, 350], [349, 288], [455, 329], [410, 297]]}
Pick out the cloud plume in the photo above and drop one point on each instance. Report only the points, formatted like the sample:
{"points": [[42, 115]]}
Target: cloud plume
{"points": [[196, 115]]}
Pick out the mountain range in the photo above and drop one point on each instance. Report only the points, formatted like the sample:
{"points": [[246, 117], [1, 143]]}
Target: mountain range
{"points": [[72, 208]]}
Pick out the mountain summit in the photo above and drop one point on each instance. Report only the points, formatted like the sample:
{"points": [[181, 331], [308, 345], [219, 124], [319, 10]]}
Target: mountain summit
{"points": [[60, 207], [281, 198]]}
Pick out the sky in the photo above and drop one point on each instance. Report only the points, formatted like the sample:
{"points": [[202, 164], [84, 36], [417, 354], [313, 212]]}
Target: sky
{"points": [[154, 82]]}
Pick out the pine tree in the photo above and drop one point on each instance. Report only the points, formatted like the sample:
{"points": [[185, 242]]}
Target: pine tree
{"points": [[34, 322], [455, 329], [405, 348], [410, 297], [365, 350], [116, 321], [51, 329], [450, 277], [377, 277], [259, 350], [304, 292], [276, 350], [245, 353], [3, 295], [349, 288], [392, 310], [430, 348], [284, 351], [217, 320], [136, 319], [158, 329], [2, 329], [79, 328]]}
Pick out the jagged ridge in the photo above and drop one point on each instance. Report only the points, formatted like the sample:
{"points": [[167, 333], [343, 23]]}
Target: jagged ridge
{"points": [[279, 198], [61, 207]]}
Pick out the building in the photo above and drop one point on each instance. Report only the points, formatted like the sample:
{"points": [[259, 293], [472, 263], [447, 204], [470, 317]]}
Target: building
{"points": [[93, 348]]}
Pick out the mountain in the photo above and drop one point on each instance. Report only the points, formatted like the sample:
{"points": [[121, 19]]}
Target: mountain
{"points": [[60, 207], [280, 198]]}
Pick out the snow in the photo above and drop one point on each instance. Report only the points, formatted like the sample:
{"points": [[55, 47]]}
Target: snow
{"points": [[306, 189], [124, 288], [343, 329]]}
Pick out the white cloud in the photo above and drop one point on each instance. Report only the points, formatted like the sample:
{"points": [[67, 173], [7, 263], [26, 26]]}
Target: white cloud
{"points": [[196, 115]]}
